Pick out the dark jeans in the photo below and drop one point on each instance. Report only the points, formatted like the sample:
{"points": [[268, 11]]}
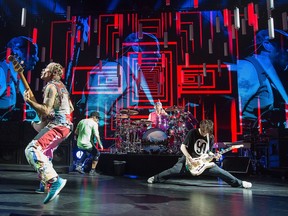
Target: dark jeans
{"points": [[216, 171]]}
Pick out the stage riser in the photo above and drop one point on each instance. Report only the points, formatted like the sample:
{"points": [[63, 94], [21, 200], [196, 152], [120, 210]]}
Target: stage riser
{"points": [[136, 164]]}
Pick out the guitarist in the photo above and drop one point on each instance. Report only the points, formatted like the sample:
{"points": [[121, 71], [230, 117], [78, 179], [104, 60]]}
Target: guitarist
{"points": [[198, 142], [56, 107], [11, 87]]}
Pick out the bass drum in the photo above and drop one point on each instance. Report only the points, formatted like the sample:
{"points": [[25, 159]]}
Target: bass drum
{"points": [[154, 140]]}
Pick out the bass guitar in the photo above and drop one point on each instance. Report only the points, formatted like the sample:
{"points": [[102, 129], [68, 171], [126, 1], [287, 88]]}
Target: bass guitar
{"points": [[19, 69], [200, 164]]}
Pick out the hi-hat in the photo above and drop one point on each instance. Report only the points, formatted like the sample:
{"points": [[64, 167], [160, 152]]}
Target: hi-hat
{"points": [[146, 121]]}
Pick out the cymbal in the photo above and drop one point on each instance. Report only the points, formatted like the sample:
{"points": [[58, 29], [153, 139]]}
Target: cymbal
{"points": [[146, 121], [174, 108], [124, 111], [129, 112], [121, 116], [132, 112]]}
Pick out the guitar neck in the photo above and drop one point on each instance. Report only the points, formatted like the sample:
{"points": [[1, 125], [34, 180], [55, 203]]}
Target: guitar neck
{"points": [[225, 150], [27, 87], [19, 69], [211, 157]]}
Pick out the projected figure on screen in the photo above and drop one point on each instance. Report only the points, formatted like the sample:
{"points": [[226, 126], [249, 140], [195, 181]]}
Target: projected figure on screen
{"points": [[117, 84], [260, 74], [10, 84]]}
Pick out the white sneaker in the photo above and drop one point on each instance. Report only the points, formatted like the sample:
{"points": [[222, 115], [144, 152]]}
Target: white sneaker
{"points": [[151, 180], [246, 184], [79, 169]]}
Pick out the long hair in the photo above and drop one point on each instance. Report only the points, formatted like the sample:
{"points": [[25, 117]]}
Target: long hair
{"points": [[206, 126]]}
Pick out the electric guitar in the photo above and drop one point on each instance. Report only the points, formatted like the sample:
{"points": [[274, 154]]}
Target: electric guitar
{"points": [[200, 164], [19, 69]]}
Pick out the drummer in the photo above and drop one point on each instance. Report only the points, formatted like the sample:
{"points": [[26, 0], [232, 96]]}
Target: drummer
{"points": [[159, 118]]}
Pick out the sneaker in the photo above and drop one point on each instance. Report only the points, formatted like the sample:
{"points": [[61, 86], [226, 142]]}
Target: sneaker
{"points": [[79, 169], [55, 189], [151, 180], [40, 190], [92, 172], [43, 188], [246, 184]]}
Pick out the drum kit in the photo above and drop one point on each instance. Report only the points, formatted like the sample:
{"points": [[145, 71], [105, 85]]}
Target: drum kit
{"points": [[140, 136]]}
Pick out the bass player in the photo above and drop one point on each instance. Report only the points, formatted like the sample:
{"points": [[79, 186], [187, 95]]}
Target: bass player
{"points": [[57, 107], [197, 143]]}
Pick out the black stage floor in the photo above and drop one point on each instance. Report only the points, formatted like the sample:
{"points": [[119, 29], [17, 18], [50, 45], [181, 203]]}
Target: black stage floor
{"points": [[124, 195]]}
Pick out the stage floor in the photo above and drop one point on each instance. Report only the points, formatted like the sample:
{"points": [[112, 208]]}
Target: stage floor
{"points": [[123, 195]]}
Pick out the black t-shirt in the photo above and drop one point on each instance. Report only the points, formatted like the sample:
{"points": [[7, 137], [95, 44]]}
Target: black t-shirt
{"points": [[197, 144]]}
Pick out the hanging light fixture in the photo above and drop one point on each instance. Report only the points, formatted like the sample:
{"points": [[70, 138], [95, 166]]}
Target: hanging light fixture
{"points": [[236, 18], [233, 31], [100, 65], [243, 26], [251, 16], [119, 72], [218, 29], [196, 3], [245, 13], [73, 29], [191, 32], [165, 39], [199, 80], [284, 21], [219, 65], [43, 51], [140, 32], [270, 4], [139, 58], [23, 17], [186, 59], [117, 46], [271, 28], [35, 35], [204, 70], [82, 44], [225, 17], [225, 49], [98, 51], [68, 13], [210, 46], [95, 28], [163, 60]]}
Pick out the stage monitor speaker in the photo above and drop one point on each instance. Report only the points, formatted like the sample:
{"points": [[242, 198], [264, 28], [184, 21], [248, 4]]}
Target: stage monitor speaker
{"points": [[10, 132], [236, 164], [9, 153], [62, 155]]}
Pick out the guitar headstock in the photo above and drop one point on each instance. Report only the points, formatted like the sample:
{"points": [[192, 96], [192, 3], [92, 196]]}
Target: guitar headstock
{"points": [[237, 146], [17, 66]]}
